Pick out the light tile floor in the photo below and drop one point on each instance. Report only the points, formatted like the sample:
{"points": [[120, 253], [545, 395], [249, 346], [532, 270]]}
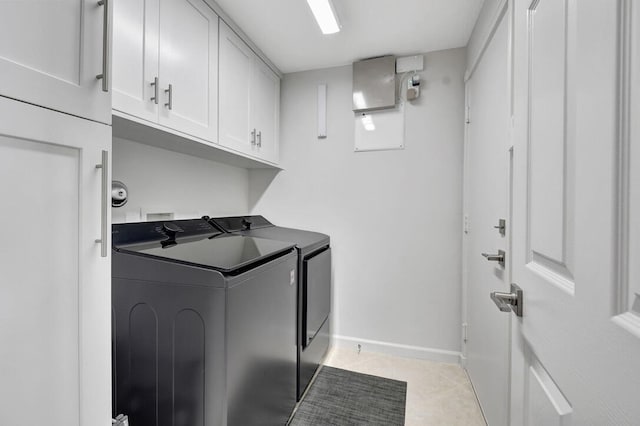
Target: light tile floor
{"points": [[437, 393]]}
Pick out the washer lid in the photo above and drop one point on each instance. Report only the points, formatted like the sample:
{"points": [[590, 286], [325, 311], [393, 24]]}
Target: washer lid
{"points": [[227, 253], [307, 241]]}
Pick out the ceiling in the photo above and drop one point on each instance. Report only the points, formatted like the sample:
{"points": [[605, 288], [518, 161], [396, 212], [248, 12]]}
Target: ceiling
{"points": [[287, 33]]}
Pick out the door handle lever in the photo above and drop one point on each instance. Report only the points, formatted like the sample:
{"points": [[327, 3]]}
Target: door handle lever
{"points": [[500, 257], [509, 301]]}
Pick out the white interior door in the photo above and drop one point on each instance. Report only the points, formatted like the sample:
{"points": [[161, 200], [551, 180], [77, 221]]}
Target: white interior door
{"points": [[50, 54], [577, 348], [135, 58], [487, 158], [189, 68], [54, 286]]}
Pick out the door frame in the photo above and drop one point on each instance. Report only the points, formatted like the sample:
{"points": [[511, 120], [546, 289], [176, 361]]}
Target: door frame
{"points": [[503, 10]]}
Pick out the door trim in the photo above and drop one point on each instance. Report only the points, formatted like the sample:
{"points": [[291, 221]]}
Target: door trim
{"points": [[495, 22], [504, 10], [502, 14]]}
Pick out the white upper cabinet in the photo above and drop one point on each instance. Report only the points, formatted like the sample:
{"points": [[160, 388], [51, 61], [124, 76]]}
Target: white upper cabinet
{"points": [[249, 99], [265, 107], [51, 53], [236, 63], [135, 57], [188, 67], [177, 67], [165, 64]]}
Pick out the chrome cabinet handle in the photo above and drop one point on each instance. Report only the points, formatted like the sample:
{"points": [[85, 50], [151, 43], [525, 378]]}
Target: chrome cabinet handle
{"points": [[253, 137], [104, 229], [509, 301], [105, 47], [500, 257], [155, 90], [169, 104], [259, 139]]}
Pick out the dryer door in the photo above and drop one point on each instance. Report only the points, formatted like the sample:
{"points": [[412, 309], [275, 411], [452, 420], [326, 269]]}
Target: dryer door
{"points": [[316, 294]]}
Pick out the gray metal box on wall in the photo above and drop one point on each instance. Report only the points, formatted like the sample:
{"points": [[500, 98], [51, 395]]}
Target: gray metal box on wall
{"points": [[374, 84]]}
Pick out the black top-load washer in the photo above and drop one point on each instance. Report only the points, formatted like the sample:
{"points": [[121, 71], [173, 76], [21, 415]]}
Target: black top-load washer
{"points": [[314, 286], [203, 330]]}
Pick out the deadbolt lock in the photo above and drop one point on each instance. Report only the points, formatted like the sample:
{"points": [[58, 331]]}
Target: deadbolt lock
{"points": [[500, 257]]}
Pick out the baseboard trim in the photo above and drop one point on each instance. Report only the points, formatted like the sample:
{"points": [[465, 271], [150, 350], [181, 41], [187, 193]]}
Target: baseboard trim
{"points": [[396, 349], [463, 361]]}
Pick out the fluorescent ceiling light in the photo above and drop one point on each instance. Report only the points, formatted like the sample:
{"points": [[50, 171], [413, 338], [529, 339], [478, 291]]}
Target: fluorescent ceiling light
{"points": [[325, 15]]}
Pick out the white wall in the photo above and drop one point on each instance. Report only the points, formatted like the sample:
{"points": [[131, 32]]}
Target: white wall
{"points": [[165, 181], [394, 217]]}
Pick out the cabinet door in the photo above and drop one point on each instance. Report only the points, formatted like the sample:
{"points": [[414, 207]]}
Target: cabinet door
{"points": [[188, 68], [236, 64], [135, 57], [55, 287], [50, 54], [265, 106]]}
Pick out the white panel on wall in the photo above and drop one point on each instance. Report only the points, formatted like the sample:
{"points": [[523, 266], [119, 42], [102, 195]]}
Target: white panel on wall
{"points": [[380, 130], [409, 63], [322, 111]]}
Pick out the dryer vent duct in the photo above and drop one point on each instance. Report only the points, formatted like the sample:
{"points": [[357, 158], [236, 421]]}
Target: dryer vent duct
{"points": [[374, 84]]}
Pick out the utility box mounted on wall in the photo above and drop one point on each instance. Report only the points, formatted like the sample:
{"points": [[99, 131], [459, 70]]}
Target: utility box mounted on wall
{"points": [[374, 84]]}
